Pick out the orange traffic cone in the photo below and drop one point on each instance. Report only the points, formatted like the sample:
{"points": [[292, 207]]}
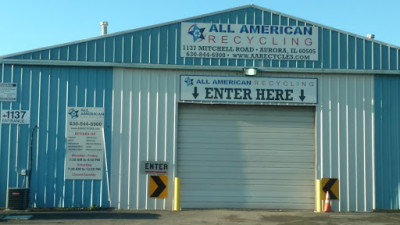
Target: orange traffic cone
{"points": [[327, 205]]}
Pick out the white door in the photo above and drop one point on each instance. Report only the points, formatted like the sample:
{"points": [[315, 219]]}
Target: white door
{"points": [[241, 156]]}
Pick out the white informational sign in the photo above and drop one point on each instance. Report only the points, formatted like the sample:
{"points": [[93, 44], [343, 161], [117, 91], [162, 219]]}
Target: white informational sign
{"points": [[85, 144], [245, 41], [15, 116], [8, 92], [248, 90]]}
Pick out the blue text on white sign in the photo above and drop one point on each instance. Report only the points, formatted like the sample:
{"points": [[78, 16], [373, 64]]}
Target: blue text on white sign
{"points": [[245, 90]]}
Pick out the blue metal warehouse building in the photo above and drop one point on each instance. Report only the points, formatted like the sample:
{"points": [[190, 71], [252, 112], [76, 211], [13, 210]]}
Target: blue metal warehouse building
{"points": [[175, 94]]}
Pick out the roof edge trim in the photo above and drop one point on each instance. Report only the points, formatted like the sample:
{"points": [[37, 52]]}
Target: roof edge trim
{"points": [[190, 67]]}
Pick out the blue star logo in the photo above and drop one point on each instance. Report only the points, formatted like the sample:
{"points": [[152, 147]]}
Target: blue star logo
{"points": [[73, 113], [188, 81], [196, 32]]}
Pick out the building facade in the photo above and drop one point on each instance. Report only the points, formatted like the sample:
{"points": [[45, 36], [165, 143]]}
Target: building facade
{"points": [[323, 104]]}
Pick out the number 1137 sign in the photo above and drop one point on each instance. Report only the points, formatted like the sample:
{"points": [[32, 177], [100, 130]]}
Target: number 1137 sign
{"points": [[15, 116]]}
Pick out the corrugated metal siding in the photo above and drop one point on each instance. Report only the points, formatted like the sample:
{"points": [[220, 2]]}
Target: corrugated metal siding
{"points": [[345, 138], [161, 45], [47, 92], [387, 95], [344, 134], [144, 107]]}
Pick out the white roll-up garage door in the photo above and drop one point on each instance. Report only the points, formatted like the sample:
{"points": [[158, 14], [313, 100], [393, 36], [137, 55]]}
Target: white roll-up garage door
{"points": [[240, 156]]}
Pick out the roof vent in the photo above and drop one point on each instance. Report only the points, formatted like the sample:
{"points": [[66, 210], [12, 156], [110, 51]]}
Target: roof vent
{"points": [[371, 36], [103, 25]]}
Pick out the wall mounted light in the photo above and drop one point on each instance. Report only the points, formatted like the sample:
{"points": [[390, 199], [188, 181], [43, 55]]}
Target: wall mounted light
{"points": [[249, 71]]}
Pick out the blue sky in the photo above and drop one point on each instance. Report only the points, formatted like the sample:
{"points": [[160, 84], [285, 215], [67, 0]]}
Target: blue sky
{"points": [[31, 24]]}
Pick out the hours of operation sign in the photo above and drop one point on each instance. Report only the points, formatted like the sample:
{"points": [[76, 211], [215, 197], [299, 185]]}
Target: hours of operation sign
{"points": [[85, 144], [249, 41]]}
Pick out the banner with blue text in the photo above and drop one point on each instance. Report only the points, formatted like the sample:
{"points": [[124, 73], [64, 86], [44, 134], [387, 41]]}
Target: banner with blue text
{"points": [[244, 41], [248, 90]]}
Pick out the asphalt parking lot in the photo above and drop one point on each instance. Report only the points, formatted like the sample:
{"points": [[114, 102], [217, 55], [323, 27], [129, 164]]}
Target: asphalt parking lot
{"points": [[220, 217]]}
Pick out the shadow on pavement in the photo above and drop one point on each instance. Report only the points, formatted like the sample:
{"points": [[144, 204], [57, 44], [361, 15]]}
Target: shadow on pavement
{"points": [[92, 216]]}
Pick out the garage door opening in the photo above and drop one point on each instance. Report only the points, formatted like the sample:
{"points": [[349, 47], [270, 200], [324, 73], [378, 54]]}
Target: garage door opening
{"points": [[241, 156]]}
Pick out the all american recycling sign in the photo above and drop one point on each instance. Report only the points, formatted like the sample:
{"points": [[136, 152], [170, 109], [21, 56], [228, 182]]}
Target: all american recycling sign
{"points": [[248, 90], [244, 41]]}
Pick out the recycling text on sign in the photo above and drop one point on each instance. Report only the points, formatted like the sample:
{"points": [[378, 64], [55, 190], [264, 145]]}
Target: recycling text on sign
{"points": [[245, 90], [247, 41]]}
